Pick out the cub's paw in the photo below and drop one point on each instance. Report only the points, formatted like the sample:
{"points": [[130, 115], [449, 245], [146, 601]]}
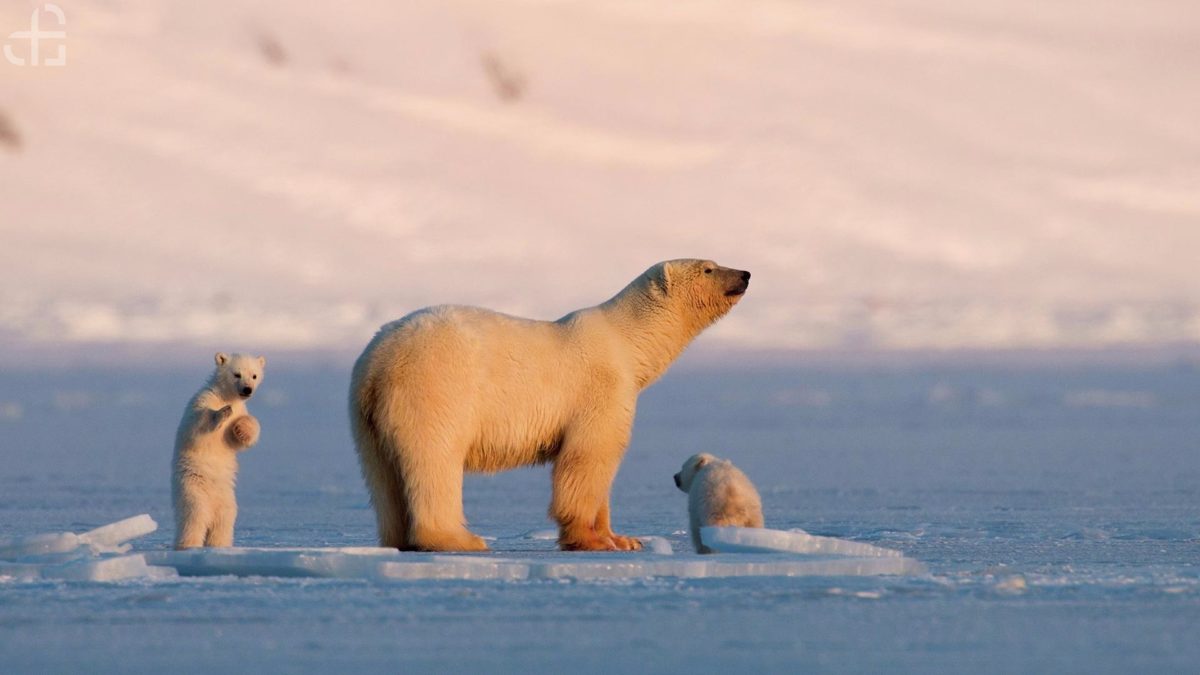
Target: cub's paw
{"points": [[217, 417], [244, 431]]}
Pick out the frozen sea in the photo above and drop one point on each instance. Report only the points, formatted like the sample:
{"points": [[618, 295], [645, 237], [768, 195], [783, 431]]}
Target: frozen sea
{"points": [[1056, 507]]}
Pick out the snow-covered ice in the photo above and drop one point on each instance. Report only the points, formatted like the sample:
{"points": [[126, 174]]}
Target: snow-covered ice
{"points": [[384, 564], [95, 555], [345, 563], [114, 568], [1057, 537], [89, 557], [762, 540], [115, 534], [106, 539], [39, 544]]}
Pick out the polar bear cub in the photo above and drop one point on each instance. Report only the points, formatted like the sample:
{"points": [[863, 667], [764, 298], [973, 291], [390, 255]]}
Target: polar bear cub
{"points": [[719, 494], [215, 427]]}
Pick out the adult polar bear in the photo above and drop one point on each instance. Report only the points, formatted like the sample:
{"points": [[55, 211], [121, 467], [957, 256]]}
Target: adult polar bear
{"points": [[450, 389]]}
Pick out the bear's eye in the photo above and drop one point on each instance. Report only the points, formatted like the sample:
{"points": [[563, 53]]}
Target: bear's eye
{"points": [[708, 270], [237, 375], [254, 377]]}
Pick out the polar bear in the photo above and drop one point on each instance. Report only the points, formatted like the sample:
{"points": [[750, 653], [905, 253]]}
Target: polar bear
{"points": [[215, 427], [719, 494], [449, 389]]}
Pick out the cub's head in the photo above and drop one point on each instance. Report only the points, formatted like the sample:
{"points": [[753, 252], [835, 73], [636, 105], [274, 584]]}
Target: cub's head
{"points": [[238, 374], [698, 288], [683, 479]]}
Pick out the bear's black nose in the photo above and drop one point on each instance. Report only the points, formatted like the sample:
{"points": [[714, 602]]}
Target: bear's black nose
{"points": [[677, 483], [246, 391], [745, 276]]}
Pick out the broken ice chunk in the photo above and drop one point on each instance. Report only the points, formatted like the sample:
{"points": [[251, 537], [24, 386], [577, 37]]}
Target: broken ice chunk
{"points": [[38, 544], [114, 534], [102, 569], [106, 539], [758, 540], [656, 545]]}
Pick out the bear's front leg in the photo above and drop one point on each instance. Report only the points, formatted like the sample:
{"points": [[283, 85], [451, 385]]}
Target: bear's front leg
{"points": [[604, 527], [582, 477], [215, 418], [243, 433]]}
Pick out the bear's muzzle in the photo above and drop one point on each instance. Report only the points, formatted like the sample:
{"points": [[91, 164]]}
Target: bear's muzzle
{"points": [[738, 282]]}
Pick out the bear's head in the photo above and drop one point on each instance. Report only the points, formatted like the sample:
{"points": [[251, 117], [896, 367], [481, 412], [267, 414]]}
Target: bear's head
{"points": [[698, 288], [238, 375], [683, 479]]}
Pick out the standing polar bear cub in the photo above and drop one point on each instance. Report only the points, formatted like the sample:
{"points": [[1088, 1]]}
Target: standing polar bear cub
{"points": [[450, 389], [215, 427], [719, 494]]}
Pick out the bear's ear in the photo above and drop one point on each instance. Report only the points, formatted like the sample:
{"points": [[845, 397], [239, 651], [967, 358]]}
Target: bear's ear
{"points": [[262, 362], [221, 358], [666, 275], [660, 277], [701, 460]]}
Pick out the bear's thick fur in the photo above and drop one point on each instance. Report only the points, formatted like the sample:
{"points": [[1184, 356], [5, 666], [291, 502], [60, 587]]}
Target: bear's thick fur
{"points": [[719, 494], [215, 427], [450, 389]]}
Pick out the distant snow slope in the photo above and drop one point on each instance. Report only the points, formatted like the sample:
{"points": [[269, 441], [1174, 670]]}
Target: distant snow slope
{"points": [[928, 174]]}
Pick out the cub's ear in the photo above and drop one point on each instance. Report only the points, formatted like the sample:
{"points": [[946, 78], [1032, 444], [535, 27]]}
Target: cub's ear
{"points": [[221, 358], [703, 459], [262, 362]]}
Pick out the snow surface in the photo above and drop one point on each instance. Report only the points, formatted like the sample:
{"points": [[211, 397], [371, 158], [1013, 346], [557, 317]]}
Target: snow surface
{"points": [[1059, 527], [926, 174], [386, 564], [762, 540]]}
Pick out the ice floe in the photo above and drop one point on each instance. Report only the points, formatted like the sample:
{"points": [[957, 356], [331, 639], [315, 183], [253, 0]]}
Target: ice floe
{"points": [[103, 555], [385, 564]]}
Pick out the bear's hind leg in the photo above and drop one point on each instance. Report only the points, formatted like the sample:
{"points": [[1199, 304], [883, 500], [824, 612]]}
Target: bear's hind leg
{"points": [[192, 522], [387, 496], [221, 532], [391, 508], [435, 504]]}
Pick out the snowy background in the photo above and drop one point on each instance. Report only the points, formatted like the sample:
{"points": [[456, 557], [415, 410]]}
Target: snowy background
{"points": [[1016, 183], [925, 174]]}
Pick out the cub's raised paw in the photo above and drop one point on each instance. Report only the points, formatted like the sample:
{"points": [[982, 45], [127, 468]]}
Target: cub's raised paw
{"points": [[244, 431]]}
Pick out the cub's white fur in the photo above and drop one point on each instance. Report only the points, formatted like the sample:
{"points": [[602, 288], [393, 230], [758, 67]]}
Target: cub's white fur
{"points": [[215, 427], [719, 494]]}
